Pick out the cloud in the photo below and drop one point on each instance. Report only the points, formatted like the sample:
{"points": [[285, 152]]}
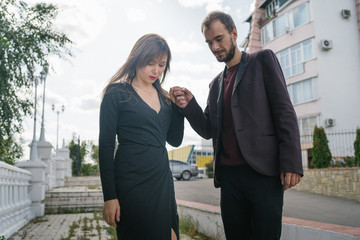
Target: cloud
{"points": [[187, 67], [81, 22], [183, 47], [54, 98], [89, 104], [136, 14], [252, 7], [210, 5], [86, 104], [239, 13]]}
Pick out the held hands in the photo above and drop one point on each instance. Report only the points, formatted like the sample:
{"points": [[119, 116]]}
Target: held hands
{"points": [[289, 180], [180, 96], [111, 211]]}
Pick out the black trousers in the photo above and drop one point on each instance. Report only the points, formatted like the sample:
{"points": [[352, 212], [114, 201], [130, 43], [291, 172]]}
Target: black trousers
{"points": [[251, 204]]}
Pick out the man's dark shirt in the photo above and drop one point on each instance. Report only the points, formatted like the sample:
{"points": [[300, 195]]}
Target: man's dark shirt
{"points": [[230, 154]]}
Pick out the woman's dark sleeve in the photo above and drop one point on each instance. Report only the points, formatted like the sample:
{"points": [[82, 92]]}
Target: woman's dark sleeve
{"points": [[108, 127], [176, 131]]}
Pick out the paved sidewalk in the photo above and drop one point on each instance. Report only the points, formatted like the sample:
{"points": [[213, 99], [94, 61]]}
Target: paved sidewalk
{"points": [[81, 226], [297, 204], [65, 226]]}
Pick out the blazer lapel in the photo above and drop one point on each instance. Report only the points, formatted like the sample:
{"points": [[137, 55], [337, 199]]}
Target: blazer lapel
{"points": [[221, 86], [241, 70], [220, 100]]}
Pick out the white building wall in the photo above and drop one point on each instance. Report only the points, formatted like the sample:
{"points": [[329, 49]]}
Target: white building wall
{"points": [[338, 68], [336, 72], [294, 36]]}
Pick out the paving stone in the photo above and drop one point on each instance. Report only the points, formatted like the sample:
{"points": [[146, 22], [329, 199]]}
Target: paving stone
{"points": [[57, 227]]}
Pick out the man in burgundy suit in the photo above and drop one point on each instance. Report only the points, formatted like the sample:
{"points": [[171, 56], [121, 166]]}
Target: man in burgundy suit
{"points": [[253, 125]]}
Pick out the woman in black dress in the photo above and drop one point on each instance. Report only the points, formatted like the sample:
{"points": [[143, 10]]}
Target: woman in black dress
{"points": [[138, 188]]}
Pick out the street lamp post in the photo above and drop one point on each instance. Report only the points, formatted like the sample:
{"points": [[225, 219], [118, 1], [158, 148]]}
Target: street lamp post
{"points": [[33, 148], [43, 73], [57, 127]]}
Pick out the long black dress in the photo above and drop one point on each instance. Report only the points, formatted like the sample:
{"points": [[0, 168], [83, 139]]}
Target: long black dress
{"points": [[139, 175]]}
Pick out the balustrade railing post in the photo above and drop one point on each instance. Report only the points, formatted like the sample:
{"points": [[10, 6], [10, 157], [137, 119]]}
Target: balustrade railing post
{"points": [[15, 210]]}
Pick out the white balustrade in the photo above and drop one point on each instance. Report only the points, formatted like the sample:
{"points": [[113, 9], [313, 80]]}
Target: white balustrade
{"points": [[15, 202], [18, 186]]}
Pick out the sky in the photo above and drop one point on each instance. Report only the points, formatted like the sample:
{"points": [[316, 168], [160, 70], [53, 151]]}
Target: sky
{"points": [[104, 32]]}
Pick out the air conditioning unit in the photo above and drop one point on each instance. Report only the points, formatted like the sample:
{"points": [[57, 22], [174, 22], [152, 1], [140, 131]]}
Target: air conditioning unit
{"points": [[345, 13], [329, 122], [326, 44]]}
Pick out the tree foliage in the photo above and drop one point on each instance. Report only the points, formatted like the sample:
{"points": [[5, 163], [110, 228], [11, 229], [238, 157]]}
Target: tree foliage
{"points": [[27, 39], [357, 148], [95, 156], [320, 152], [74, 148], [209, 169], [87, 150]]}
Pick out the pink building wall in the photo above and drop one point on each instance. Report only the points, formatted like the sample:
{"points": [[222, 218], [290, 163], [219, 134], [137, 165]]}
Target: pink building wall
{"points": [[255, 33], [357, 4]]}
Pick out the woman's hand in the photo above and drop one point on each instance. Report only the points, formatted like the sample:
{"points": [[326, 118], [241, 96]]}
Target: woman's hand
{"points": [[180, 96], [111, 211]]}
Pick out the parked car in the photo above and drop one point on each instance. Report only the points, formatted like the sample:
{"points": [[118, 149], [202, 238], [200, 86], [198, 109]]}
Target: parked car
{"points": [[182, 170]]}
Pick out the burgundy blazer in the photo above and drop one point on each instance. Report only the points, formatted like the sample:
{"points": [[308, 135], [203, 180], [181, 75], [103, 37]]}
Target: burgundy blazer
{"points": [[265, 122]]}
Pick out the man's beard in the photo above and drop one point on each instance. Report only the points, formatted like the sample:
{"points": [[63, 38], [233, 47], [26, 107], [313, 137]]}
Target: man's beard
{"points": [[229, 55]]}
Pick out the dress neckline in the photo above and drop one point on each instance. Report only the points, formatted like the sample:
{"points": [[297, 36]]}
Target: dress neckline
{"points": [[160, 100]]}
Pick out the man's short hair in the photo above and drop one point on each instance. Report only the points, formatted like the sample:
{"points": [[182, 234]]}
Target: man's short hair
{"points": [[224, 18]]}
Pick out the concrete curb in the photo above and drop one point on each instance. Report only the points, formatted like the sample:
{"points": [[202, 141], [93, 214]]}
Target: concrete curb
{"points": [[208, 221]]}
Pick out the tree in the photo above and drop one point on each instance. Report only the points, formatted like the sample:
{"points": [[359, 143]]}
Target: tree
{"points": [[73, 148], [357, 148], [88, 169], [27, 40], [95, 156], [95, 153], [209, 169], [320, 152]]}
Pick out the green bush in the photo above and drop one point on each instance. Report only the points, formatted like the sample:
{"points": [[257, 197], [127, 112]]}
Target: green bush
{"points": [[321, 152], [209, 169], [357, 148], [349, 161]]}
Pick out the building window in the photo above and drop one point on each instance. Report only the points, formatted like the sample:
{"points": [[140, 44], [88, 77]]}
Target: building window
{"points": [[282, 24], [307, 50], [301, 92], [307, 125], [271, 8], [284, 59], [292, 59], [301, 15], [296, 60]]}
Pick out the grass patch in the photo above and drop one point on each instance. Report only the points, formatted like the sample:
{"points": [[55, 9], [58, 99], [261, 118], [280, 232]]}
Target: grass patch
{"points": [[72, 229], [93, 187], [65, 211], [98, 227], [111, 231], [38, 220], [189, 227]]}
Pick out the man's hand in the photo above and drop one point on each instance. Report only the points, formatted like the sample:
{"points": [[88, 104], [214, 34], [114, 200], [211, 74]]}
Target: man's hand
{"points": [[289, 180], [180, 96], [111, 211]]}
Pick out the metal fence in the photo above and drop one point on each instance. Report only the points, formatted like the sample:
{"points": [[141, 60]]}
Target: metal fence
{"points": [[341, 142]]}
